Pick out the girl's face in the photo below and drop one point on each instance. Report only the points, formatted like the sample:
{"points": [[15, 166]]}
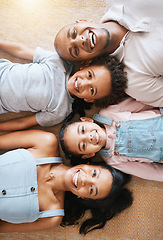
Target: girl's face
{"points": [[84, 138], [93, 82], [89, 181]]}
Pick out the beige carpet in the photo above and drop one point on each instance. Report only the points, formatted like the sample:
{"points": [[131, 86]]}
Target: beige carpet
{"points": [[35, 23]]}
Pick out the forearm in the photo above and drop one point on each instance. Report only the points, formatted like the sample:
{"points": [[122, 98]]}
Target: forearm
{"points": [[17, 49], [40, 224], [18, 124]]}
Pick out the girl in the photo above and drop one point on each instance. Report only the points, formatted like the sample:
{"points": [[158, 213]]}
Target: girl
{"points": [[46, 87], [128, 136], [34, 182]]}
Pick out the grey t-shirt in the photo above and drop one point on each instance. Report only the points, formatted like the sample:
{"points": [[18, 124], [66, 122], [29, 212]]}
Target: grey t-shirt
{"points": [[39, 87]]}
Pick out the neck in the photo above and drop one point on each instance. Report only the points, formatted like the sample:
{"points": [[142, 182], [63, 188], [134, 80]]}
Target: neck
{"points": [[117, 32], [57, 173]]}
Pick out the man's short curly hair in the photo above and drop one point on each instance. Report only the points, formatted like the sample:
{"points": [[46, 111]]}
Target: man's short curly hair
{"points": [[118, 80]]}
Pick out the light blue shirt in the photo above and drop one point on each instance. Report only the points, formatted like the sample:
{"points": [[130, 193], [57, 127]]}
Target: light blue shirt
{"points": [[18, 189]]}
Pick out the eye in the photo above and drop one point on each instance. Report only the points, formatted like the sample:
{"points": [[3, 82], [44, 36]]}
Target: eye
{"points": [[76, 51], [94, 173], [74, 33], [84, 145], [82, 130], [89, 74], [91, 190], [92, 91]]}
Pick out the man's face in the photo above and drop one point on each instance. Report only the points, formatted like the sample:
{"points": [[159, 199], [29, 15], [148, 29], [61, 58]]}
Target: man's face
{"points": [[82, 41]]}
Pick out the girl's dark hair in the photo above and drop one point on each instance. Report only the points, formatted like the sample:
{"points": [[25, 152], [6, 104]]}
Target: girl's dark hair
{"points": [[102, 210], [118, 80], [75, 158], [79, 106]]}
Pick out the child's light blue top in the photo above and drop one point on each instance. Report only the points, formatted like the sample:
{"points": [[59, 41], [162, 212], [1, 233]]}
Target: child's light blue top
{"points": [[18, 187], [39, 87]]}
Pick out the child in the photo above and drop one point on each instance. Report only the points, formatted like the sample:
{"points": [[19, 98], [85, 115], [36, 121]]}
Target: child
{"points": [[45, 86], [34, 181], [129, 139]]}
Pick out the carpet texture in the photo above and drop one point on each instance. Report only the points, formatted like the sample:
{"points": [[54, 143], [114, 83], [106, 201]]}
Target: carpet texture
{"points": [[35, 23]]}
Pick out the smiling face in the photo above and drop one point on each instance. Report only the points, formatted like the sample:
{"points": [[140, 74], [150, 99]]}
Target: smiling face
{"points": [[81, 41], [84, 138], [93, 82], [88, 181]]}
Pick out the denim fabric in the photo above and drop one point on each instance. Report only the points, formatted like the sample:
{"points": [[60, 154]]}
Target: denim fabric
{"points": [[18, 187], [138, 138]]}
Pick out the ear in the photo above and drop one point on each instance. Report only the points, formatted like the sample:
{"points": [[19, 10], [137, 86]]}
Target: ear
{"points": [[89, 100], [84, 198], [86, 119], [90, 155]]}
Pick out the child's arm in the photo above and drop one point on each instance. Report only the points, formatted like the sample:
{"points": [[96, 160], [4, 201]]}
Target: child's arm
{"points": [[18, 124], [130, 105], [17, 49], [145, 170]]}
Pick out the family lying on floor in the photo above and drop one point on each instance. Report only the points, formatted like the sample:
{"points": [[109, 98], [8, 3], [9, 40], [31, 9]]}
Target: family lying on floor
{"points": [[112, 64]]}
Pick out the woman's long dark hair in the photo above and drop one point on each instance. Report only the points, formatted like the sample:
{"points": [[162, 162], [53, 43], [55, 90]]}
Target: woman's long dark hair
{"points": [[102, 210]]}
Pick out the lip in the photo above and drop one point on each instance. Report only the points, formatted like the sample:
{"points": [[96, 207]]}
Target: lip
{"points": [[75, 177], [75, 84], [92, 39], [97, 137]]}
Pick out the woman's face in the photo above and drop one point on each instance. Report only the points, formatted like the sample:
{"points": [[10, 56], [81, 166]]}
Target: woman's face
{"points": [[89, 181]]}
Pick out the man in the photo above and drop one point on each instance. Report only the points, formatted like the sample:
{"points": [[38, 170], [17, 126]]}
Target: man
{"points": [[130, 30]]}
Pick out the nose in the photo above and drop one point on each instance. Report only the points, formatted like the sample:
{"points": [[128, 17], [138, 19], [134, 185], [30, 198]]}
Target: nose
{"points": [[79, 40], [85, 179], [87, 137], [85, 83]]}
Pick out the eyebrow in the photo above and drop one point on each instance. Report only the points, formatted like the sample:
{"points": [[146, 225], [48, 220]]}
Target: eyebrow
{"points": [[68, 33], [78, 133], [94, 77]]}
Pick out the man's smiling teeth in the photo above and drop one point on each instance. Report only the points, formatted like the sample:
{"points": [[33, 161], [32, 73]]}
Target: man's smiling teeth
{"points": [[75, 179], [92, 38]]}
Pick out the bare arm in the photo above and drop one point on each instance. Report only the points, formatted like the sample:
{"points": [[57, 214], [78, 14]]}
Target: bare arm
{"points": [[39, 143], [38, 225], [18, 124], [17, 49]]}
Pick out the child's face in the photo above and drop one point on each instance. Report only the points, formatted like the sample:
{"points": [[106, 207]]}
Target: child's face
{"points": [[84, 138], [93, 82]]}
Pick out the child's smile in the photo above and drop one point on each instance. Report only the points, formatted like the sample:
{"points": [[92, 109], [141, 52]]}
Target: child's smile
{"points": [[84, 138], [91, 83]]}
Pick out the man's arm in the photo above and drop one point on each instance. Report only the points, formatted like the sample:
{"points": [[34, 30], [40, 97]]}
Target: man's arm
{"points": [[18, 124], [17, 49]]}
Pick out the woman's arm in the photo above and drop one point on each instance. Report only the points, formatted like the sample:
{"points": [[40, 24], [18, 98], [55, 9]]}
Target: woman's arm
{"points": [[38, 225], [17, 49], [39, 143], [18, 124]]}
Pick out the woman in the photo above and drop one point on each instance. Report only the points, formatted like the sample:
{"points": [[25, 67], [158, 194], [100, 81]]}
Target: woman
{"points": [[34, 181]]}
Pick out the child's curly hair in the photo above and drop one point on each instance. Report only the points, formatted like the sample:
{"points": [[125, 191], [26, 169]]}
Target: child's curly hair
{"points": [[118, 80]]}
